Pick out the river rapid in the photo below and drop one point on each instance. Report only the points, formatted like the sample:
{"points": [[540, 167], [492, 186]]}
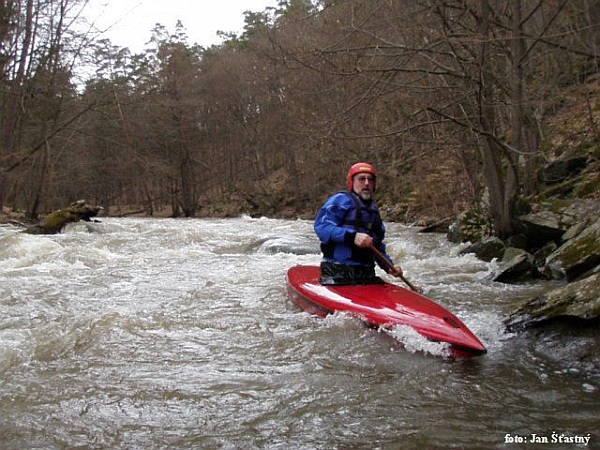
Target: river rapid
{"points": [[163, 333]]}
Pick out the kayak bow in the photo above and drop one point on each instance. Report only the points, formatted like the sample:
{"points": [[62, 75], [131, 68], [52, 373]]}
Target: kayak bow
{"points": [[382, 305]]}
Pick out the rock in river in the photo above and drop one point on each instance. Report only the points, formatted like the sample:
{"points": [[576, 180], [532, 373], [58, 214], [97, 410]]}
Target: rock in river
{"points": [[576, 256], [580, 300]]}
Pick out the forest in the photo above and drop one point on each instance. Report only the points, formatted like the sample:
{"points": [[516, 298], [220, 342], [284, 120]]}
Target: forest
{"points": [[449, 99]]}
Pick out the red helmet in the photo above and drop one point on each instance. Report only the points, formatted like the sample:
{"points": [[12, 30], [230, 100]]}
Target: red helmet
{"points": [[360, 167]]}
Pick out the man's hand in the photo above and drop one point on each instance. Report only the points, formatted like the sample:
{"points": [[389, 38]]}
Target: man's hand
{"points": [[363, 240], [396, 271]]}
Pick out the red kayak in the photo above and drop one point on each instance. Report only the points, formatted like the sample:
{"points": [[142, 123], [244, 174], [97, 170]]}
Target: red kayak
{"points": [[382, 305]]}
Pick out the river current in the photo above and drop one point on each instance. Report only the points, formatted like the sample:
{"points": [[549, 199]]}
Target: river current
{"points": [[178, 334]]}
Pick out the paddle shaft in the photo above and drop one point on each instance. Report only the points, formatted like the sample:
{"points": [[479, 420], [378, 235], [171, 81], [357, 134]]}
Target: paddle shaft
{"points": [[390, 266]]}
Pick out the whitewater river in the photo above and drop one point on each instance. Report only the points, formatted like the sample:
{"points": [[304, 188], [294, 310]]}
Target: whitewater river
{"points": [[177, 334]]}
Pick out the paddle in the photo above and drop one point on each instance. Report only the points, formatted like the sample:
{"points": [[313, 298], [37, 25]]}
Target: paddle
{"points": [[389, 265]]}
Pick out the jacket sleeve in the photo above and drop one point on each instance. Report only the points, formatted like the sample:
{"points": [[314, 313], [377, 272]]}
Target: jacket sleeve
{"points": [[329, 219]]}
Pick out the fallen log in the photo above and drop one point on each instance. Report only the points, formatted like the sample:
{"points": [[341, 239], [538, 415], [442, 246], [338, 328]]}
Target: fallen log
{"points": [[56, 221]]}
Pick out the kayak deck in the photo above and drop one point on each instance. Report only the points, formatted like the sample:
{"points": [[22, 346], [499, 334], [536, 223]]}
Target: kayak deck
{"points": [[381, 305]]}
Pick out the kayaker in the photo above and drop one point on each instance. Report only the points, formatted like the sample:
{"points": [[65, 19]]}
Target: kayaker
{"points": [[348, 225]]}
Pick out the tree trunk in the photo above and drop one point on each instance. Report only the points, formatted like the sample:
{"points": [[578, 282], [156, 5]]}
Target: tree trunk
{"points": [[187, 187], [516, 81], [13, 113], [502, 188]]}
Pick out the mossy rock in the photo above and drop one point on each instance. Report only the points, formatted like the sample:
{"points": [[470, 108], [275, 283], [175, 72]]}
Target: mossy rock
{"points": [[576, 256], [587, 188], [487, 249], [580, 300], [516, 265], [55, 222], [470, 226]]}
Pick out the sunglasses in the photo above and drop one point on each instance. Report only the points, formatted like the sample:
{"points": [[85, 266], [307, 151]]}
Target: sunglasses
{"points": [[365, 178]]}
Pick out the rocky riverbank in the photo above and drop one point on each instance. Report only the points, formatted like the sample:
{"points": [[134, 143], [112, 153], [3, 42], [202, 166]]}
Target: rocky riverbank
{"points": [[559, 241], [558, 244]]}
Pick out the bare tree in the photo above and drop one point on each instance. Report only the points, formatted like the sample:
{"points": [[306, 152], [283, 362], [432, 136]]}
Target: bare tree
{"points": [[35, 94], [423, 72], [448, 97]]}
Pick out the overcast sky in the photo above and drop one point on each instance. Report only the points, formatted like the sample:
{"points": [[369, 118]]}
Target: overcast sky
{"points": [[129, 22]]}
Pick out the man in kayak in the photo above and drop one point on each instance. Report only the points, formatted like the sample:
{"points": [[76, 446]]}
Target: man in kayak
{"points": [[351, 231]]}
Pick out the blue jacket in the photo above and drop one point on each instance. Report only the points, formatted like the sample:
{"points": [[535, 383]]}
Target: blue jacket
{"points": [[336, 224]]}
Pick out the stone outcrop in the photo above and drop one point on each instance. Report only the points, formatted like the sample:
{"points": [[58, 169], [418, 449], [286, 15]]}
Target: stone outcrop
{"points": [[516, 265], [560, 170], [576, 256], [487, 249], [469, 226], [557, 241], [580, 299]]}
